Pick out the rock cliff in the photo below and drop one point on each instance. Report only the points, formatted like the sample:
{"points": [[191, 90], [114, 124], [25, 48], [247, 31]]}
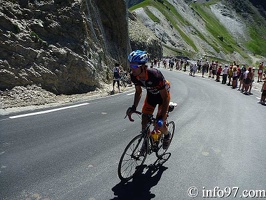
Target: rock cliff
{"points": [[62, 46]]}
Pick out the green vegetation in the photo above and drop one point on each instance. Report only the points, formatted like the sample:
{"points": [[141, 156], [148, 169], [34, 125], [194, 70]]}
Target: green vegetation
{"points": [[37, 39], [257, 44], [215, 28], [169, 16], [17, 29], [35, 36], [178, 52], [222, 39], [151, 15]]}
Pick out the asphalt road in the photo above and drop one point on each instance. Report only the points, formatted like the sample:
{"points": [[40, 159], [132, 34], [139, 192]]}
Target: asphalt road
{"points": [[72, 152]]}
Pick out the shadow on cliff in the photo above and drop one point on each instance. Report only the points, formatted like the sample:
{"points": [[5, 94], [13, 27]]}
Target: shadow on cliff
{"points": [[139, 188]]}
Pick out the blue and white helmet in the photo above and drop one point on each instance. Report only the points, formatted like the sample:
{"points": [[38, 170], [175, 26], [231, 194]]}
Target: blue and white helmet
{"points": [[138, 56]]}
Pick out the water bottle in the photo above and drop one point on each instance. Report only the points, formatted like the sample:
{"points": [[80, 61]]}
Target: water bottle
{"points": [[154, 135]]}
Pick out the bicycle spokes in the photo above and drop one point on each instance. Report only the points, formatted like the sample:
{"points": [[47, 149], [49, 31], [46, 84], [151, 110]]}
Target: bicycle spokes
{"points": [[130, 160]]}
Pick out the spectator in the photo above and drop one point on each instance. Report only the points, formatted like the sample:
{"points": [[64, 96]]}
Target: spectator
{"points": [[210, 70], [164, 63], [260, 71], [263, 91], [204, 68], [155, 62], [234, 82], [194, 69], [225, 74], [214, 69], [185, 65], [171, 64], [208, 66], [247, 79], [116, 77], [241, 78], [219, 71], [238, 71], [177, 64], [190, 69], [181, 64], [230, 74], [199, 63], [252, 80]]}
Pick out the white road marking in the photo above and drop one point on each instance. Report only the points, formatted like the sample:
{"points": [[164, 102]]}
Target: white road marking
{"points": [[47, 111], [131, 93]]}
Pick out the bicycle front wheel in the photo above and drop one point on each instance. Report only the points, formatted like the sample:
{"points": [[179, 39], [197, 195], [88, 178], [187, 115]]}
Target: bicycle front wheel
{"points": [[171, 129], [131, 160]]}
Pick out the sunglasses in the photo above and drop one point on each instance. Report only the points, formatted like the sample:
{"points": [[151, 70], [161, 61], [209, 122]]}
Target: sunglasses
{"points": [[134, 66]]}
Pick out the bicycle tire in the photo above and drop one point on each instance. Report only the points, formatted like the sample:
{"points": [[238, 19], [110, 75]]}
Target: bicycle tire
{"points": [[130, 162], [171, 128], [123, 83]]}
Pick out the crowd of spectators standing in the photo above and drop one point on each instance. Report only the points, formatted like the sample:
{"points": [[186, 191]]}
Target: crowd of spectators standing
{"points": [[240, 77]]}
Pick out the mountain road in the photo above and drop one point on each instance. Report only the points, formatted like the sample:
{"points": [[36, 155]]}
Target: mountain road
{"points": [[72, 152]]}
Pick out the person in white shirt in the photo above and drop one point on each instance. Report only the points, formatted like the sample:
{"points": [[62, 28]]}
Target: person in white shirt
{"points": [[225, 74]]}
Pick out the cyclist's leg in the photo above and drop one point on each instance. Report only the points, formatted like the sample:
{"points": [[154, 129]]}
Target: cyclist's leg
{"points": [[164, 128], [147, 110]]}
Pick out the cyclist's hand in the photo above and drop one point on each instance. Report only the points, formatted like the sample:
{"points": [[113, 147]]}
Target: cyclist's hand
{"points": [[159, 122], [129, 112]]}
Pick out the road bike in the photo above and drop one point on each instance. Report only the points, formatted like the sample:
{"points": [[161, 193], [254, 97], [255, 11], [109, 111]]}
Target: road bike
{"points": [[131, 161], [125, 80]]}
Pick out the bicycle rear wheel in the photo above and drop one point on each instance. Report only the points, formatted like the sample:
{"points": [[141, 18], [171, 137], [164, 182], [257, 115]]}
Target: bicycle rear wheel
{"points": [[171, 129], [130, 162]]}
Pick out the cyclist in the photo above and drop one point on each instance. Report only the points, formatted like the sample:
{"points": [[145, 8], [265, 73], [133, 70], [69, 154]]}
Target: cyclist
{"points": [[158, 92]]}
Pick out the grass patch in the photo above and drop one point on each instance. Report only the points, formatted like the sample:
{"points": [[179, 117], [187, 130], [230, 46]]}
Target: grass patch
{"points": [[151, 15], [257, 44], [216, 28]]}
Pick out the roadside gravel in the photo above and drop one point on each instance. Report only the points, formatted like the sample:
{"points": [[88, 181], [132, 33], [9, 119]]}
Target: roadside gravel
{"points": [[33, 97]]}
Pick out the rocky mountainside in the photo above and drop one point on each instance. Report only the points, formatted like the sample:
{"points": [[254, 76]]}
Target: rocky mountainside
{"points": [[216, 29], [63, 46]]}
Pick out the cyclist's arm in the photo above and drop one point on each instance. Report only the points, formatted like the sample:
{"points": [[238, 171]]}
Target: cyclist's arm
{"points": [[165, 104], [137, 97]]}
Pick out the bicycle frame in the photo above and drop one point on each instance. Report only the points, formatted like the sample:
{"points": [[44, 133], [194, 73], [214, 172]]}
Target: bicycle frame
{"points": [[146, 134], [132, 159]]}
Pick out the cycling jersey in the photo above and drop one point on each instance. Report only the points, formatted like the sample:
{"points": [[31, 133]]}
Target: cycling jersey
{"points": [[154, 82]]}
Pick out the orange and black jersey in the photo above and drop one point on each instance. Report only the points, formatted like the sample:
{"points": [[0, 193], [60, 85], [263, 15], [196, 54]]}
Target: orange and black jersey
{"points": [[154, 81]]}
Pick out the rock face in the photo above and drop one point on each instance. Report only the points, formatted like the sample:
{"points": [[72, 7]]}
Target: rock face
{"points": [[143, 38], [63, 46]]}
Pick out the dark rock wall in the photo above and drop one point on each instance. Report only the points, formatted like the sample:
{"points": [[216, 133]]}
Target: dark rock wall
{"points": [[63, 46]]}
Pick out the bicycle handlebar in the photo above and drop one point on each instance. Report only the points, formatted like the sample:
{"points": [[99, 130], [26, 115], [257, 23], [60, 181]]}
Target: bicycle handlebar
{"points": [[172, 105], [129, 116], [159, 122]]}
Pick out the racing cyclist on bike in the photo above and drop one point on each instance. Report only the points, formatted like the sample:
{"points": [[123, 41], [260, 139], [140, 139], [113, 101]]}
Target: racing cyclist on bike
{"points": [[158, 92]]}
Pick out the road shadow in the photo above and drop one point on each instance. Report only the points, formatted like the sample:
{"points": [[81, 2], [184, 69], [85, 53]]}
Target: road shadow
{"points": [[139, 187]]}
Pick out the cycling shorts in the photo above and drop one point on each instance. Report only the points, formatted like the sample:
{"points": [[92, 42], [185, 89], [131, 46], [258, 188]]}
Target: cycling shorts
{"points": [[151, 101]]}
